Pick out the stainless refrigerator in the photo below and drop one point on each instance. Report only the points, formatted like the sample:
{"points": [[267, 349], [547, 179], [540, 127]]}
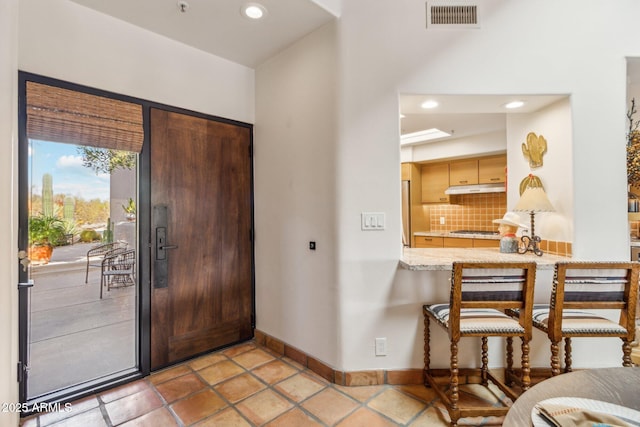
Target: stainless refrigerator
{"points": [[406, 213]]}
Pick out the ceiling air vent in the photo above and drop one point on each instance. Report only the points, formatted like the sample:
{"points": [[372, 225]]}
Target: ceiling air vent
{"points": [[452, 15]]}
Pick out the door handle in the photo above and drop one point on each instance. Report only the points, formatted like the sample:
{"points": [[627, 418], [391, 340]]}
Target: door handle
{"points": [[26, 285], [161, 246], [161, 263]]}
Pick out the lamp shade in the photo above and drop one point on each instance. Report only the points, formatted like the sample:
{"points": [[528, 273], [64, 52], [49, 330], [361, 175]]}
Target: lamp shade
{"points": [[534, 199]]}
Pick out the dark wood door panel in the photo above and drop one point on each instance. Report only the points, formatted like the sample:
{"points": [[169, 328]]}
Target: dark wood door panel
{"points": [[201, 171]]}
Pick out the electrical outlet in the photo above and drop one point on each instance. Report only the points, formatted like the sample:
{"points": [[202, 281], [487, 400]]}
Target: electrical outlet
{"points": [[381, 346], [441, 220]]}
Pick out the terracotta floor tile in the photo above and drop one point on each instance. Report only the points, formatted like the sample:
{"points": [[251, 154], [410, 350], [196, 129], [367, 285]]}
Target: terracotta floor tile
{"points": [[294, 418], [361, 393], [198, 406], [208, 360], [219, 372], [124, 390], [132, 406], [91, 418], [229, 417], [340, 405], [431, 417], [397, 406], [239, 387], [180, 387], [267, 389], [234, 351], [299, 387], [169, 373], [364, 417], [76, 408], [253, 358], [274, 371], [159, 417], [264, 406]]}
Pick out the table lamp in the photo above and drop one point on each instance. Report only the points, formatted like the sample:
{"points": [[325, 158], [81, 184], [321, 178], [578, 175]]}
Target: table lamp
{"points": [[532, 200]]}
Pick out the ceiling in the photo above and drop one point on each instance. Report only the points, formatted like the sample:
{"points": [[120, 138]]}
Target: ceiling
{"points": [[218, 27], [466, 115]]}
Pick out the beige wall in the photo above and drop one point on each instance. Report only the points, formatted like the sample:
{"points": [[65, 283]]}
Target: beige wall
{"points": [[8, 212]]}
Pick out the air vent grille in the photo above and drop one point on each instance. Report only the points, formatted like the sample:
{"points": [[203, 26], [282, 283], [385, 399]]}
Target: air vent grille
{"points": [[452, 16]]}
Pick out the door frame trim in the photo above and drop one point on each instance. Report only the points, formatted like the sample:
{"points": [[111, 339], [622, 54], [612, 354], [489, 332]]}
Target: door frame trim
{"points": [[144, 238]]}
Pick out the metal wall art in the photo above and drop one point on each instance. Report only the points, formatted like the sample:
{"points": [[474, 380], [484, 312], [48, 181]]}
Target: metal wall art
{"points": [[534, 149]]}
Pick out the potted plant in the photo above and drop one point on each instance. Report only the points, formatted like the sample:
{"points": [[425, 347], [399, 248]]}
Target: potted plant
{"points": [[130, 210], [45, 232]]}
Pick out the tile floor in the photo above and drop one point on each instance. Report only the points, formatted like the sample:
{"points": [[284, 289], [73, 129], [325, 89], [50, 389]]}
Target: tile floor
{"points": [[248, 385]]}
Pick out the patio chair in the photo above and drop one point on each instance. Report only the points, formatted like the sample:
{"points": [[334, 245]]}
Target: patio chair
{"points": [[118, 270], [98, 252]]}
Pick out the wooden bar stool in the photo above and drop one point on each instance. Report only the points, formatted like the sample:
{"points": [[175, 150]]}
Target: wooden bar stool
{"points": [[480, 294], [593, 286]]}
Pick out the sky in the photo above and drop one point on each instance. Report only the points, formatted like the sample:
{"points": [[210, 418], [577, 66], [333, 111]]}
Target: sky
{"points": [[64, 163]]}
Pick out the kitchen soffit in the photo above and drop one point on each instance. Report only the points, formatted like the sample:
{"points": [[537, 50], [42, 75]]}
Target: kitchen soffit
{"points": [[466, 115]]}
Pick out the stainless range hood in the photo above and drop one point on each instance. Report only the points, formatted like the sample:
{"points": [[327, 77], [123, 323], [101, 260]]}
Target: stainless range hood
{"points": [[498, 187]]}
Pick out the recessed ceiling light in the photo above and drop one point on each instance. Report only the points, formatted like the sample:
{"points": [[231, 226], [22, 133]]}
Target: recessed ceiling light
{"points": [[514, 104], [253, 11], [429, 104]]}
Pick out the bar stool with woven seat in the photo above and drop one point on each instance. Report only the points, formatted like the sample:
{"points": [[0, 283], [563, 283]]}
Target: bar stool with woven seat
{"points": [[480, 293], [593, 286]]}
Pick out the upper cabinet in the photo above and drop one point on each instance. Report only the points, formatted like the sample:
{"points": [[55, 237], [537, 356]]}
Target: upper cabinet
{"points": [[492, 169], [437, 177], [435, 180], [463, 172]]}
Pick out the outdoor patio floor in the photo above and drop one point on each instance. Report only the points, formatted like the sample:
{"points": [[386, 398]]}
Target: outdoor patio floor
{"points": [[74, 335]]}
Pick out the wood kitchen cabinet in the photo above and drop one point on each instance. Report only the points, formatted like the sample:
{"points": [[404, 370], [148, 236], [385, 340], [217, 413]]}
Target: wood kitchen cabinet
{"points": [[492, 169], [435, 180], [457, 242], [486, 243], [463, 172], [428, 242]]}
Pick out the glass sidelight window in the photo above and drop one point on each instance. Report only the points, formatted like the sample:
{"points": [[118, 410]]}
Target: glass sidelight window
{"points": [[81, 321]]}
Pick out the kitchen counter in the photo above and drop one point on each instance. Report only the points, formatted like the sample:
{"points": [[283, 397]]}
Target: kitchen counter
{"points": [[443, 258], [495, 236]]}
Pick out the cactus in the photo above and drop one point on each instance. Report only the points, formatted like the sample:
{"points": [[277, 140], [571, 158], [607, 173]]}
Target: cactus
{"points": [[47, 195], [107, 235], [69, 207]]}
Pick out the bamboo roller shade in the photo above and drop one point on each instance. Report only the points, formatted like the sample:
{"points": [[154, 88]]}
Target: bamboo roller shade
{"points": [[61, 115]]}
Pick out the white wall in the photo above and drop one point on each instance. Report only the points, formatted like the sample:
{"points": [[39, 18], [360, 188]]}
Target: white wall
{"points": [[61, 39], [8, 211], [476, 145], [387, 51], [556, 173], [295, 189]]}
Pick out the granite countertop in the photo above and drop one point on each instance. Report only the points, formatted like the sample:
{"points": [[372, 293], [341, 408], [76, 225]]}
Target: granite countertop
{"points": [[635, 242], [443, 258], [495, 236]]}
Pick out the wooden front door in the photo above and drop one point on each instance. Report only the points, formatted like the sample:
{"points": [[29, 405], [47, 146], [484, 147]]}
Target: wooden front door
{"points": [[201, 248]]}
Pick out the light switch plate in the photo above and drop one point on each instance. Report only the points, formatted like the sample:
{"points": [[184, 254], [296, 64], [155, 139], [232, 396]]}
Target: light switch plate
{"points": [[372, 221]]}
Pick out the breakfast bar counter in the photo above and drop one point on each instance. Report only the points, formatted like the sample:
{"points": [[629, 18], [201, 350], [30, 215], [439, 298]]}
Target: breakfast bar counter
{"points": [[443, 258]]}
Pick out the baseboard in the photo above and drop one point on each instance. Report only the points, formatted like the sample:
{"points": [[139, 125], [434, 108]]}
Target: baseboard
{"points": [[352, 378]]}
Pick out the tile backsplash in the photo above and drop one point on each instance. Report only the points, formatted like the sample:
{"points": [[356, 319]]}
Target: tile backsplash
{"points": [[469, 212]]}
